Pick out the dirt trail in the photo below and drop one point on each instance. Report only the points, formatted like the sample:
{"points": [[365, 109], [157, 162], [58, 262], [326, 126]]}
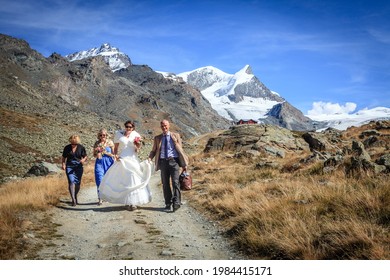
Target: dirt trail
{"points": [[109, 231]]}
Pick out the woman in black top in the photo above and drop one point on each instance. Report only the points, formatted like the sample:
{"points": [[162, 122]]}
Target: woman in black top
{"points": [[73, 158]]}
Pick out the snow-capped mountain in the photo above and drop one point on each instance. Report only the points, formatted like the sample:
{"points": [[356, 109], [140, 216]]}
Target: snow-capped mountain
{"points": [[343, 121], [114, 58], [233, 96], [243, 96]]}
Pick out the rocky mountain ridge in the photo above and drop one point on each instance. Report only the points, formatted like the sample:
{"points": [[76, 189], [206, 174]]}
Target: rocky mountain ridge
{"points": [[45, 100], [287, 116], [221, 90], [112, 56], [243, 96]]}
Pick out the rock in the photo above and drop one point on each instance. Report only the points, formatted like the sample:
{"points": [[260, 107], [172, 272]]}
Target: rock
{"points": [[138, 221], [214, 144], [359, 165], [166, 253], [371, 141], [359, 151], [43, 169], [273, 140], [379, 168], [368, 133], [333, 161], [313, 142], [274, 151], [248, 154], [384, 160], [267, 164], [121, 244], [328, 169]]}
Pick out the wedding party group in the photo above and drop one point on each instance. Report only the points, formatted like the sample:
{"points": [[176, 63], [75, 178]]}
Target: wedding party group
{"points": [[120, 176]]}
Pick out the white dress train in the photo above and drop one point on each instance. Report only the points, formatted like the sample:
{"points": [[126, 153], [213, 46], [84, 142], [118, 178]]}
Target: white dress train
{"points": [[127, 180]]}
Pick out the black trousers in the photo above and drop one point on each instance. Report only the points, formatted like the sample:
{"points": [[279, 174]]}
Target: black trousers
{"points": [[170, 172]]}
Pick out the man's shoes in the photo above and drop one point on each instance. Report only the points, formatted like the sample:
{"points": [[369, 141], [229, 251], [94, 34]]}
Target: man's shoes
{"points": [[131, 207], [167, 207], [176, 207]]}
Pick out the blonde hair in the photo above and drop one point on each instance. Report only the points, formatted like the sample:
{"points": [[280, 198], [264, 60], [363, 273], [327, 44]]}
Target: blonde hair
{"points": [[74, 139], [101, 131]]}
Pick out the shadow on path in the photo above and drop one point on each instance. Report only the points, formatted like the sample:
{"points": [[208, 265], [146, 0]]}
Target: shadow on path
{"points": [[107, 208]]}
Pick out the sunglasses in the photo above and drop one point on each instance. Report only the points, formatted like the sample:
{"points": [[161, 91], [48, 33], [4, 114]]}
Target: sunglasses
{"points": [[102, 134], [129, 126]]}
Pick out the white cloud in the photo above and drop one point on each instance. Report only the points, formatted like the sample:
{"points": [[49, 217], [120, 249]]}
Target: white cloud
{"points": [[328, 108]]}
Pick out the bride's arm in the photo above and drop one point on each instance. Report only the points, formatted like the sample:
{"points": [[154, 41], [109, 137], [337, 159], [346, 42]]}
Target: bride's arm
{"points": [[137, 147], [137, 142], [116, 145]]}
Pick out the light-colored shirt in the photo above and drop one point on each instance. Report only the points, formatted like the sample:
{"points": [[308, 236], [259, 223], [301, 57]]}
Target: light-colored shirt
{"points": [[171, 148]]}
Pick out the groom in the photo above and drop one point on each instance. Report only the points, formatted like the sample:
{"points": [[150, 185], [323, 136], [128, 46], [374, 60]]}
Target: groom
{"points": [[168, 150]]}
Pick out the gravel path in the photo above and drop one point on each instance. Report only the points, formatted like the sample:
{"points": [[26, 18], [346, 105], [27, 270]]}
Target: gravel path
{"points": [[110, 232]]}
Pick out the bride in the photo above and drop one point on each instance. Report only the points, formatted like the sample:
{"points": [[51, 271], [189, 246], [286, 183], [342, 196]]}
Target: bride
{"points": [[127, 180]]}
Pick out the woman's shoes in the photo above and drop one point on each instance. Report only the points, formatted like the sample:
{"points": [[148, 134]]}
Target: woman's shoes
{"points": [[100, 202]]}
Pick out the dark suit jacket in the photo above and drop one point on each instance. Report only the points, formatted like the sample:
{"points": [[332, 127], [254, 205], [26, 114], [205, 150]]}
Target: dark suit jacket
{"points": [[183, 159]]}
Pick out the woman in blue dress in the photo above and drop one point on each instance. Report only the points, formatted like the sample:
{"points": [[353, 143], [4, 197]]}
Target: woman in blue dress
{"points": [[103, 152], [73, 158]]}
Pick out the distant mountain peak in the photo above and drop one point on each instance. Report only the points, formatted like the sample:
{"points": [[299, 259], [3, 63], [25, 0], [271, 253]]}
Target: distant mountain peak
{"points": [[233, 96], [106, 47], [247, 70], [113, 57]]}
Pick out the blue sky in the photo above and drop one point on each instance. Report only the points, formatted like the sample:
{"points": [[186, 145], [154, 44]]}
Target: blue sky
{"points": [[334, 53]]}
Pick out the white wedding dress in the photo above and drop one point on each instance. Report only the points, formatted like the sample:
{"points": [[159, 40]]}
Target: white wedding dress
{"points": [[127, 180]]}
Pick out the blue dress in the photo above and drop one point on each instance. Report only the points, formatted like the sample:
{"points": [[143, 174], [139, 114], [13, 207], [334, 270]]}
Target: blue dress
{"points": [[101, 167], [74, 172], [74, 169]]}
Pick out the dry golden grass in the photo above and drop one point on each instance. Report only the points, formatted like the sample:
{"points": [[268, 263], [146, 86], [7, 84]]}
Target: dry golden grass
{"points": [[19, 200], [294, 215], [269, 212]]}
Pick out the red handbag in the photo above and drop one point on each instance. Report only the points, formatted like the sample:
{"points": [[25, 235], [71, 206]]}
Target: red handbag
{"points": [[185, 181]]}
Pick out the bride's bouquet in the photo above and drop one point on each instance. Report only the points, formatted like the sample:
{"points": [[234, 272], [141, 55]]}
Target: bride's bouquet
{"points": [[100, 150], [137, 140]]}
